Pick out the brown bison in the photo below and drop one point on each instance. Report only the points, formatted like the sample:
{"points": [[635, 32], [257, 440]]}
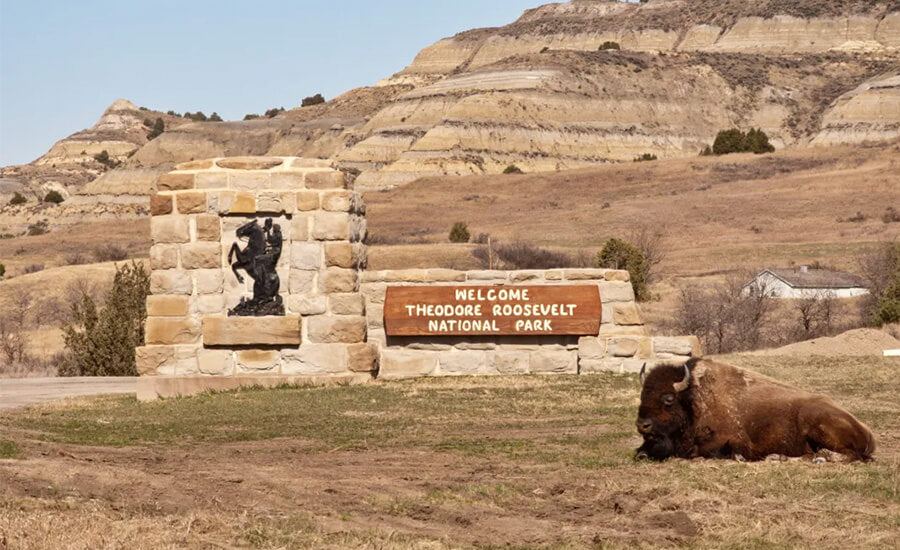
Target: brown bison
{"points": [[712, 410]]}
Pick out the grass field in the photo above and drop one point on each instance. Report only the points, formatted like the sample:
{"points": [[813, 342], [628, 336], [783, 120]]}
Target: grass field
{"points": [[511, 462]]}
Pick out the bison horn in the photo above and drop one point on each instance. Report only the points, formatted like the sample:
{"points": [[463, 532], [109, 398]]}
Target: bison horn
{"points": [[643, 368], [683, 385]]}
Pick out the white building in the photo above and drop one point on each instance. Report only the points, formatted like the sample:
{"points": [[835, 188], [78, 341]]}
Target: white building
{"points": [[803, 282]]}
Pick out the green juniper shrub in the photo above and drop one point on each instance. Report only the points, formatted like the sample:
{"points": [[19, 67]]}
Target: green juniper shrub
{"points": [[2, 270], [645, 157], [158, 128], [459, 233], [215, 117], [251, 116], [512, 169], [101, 340], [275, 111], [53, 196], [609, 45], [736, 141], [38, 228], [618, 254], [312, 100], [17, 198]]}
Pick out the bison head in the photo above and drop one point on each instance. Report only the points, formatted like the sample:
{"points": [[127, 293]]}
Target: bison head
{"points": [[665, 413]]}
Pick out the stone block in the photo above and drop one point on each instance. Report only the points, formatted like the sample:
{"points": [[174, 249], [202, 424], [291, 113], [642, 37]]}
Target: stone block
{"points": [[373, 292], [509, 362], [617, 275], [315, 359], [456, 362], [330, 329], [591, 347], [211, 180], [347, 304], [339, 254], [360, 255], [374, 315], [186, 360], [357, 206], [307, 305], [362, 357], [584, 274], [623, 346], [331, 226], [167, 305], [302, 282], [170, 229], [331, 179], [215, 362], [522, 276], [405, 276], [171, 330], [546, 361], [307, 256], [555, 275], [164, 256], [307, 200], [445, 275], [606, 364], [232, 202], [170, 281], [249, 163], [174, 181], [248, 331], [300, 227], [204, 164], [191, 202], [633, 366], [255, 360], [160, 205], [204, 255], [678, 345], [466, 345], [276, 202], [627, 313], [336, 279], [616, 291], [336, 201], [286, 180], [208, 228], [210, 304], [399, 364], [493, 275], [607, 330], [209, 281], [153, 360], [249, 181]]}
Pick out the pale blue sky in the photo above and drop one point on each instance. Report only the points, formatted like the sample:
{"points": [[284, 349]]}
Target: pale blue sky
{"points": [[62, 63]]}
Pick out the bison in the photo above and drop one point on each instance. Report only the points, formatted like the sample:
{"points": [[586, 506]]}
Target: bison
{"points": [[712, 410]]}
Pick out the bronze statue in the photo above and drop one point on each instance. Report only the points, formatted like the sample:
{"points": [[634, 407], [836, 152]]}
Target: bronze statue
{"points": [[258, 259]]}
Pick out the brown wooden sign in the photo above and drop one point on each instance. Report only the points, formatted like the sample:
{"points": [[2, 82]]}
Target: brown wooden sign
{"points": [[492, 310]]}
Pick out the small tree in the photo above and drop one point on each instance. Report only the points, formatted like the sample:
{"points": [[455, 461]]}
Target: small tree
{"points": [[736, 141], [312, 100], [102, 157], [17, 198], [275, 111], [645, 157], [215, 117], [459, 233], [53, 196], [512, 169], [608, 45], [101, 341], [251, 117], [816, 314], [618, 254], [880, 270], [158, 128]]}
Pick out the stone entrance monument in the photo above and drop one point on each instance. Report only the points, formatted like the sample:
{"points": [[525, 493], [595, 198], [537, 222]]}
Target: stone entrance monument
{"points": [[258, 278]]}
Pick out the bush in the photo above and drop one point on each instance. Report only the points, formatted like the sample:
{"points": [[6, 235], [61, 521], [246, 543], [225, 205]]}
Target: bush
{"points": [[312, 100], [459, 233], [102, 157], [17, 198], [33, 268], [512, 169], [196, 117], [645, 157], [2, 270], [736, 141], [158, 128], [881, 271], [215, 117], [618, 254], [608, 45], [275, 111], [890, 215], [110, 253], [101, 341], [76, 258], [251, 117], [38, 228], [54, 197]]}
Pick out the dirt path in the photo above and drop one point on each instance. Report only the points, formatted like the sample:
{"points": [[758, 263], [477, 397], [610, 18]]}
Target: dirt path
{"points": [[19, 392]]}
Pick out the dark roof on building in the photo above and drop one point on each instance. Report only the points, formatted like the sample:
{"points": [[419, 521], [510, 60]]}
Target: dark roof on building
{"points": [[817, 278]]}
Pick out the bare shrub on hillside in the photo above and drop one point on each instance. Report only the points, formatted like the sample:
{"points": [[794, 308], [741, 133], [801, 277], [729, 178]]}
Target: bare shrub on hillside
{"points": [[521, 255], [110, 253], [651, 241], [817, 315], [880, 269], [13, 323]]}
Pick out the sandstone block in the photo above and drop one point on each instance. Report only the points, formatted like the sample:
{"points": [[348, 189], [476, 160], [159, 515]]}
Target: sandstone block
{"points": [[171, 330], [606, 364], [328, 329], [521, 276], [554, 362], [170, 281], [247, 331], [555, 275], [174, 181], [616, 291], [633, 366], [445, 275], [457, 362], [373, 292], [191, 202], [627, 313], [160, 205], [186, 360], [249, 181], [231, 202], [300, 227], [201, 255], [167, 305], [211, 180], [164, 256], [494, 275], [315, 359], [331, 226], [336, 279], [374, 315], [405, 276], [398, 364], [306, 256], [255, 360], [362, 357], [301, 282], [613, 330], [170, 229], [339, 254], [623, 346], [466, 345], [331, 179], [679, 345], [208, 228], [286, 180], [249, 163], [617, 275], [336, 201], [591, 347], [307, 200], [372, 276], [276, 202], [153, 360], [195, 165], [307, 305], [347, 304], [584, 274], [509, 362], [210, 304], [209, 281], [215, 362]]}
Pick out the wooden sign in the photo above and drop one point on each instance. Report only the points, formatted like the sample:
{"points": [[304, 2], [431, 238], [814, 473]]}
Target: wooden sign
{"points": [[492, 310]]}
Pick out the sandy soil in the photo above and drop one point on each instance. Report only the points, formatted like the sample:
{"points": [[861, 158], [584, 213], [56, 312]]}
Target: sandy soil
{"points": [[858, 342]]}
